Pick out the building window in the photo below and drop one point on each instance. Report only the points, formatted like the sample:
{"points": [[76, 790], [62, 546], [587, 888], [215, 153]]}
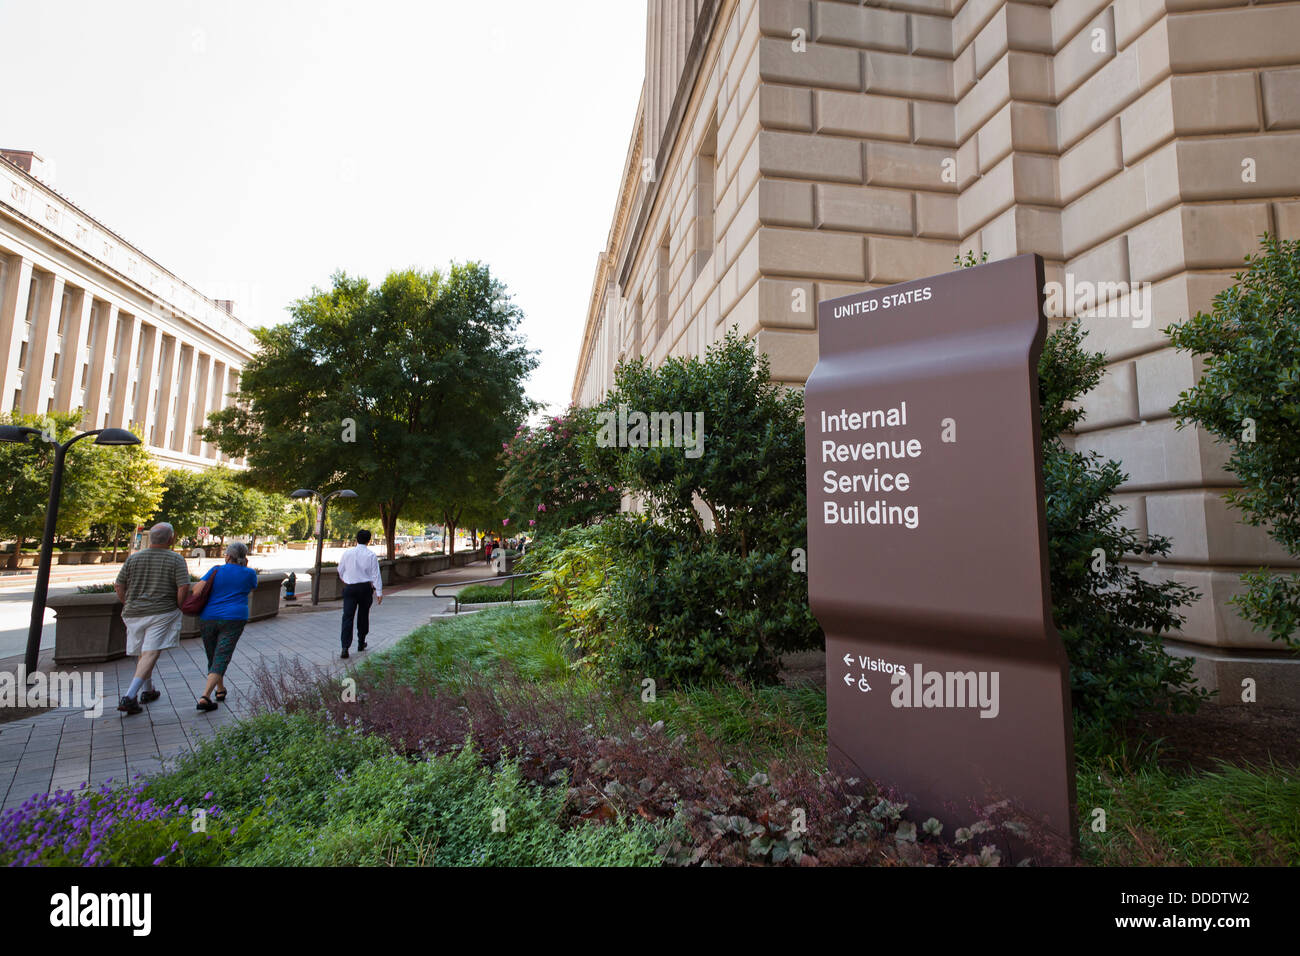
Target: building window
{"points": [[636, 328], [706, 172], [662, 265]]}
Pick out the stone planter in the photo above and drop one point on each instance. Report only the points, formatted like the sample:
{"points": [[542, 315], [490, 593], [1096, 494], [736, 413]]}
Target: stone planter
{"points": [[28, 560], [405, 569], [106, 557], [386, 571], [88, 628], [70, 557], [264, 600], [190, 627], [331, 588]]}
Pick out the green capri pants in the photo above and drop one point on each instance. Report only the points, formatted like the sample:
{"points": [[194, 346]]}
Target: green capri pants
{"points": [[219, 640]]}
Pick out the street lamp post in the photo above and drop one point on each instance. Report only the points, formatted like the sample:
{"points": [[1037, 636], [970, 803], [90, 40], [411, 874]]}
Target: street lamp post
{"points": [[320, 530], [20, 434]]}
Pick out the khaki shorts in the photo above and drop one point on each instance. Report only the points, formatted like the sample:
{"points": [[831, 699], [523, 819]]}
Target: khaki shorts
{"points": [[153, 632]]}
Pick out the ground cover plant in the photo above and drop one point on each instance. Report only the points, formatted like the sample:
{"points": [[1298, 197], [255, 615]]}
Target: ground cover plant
{"points": [[471, 717]]}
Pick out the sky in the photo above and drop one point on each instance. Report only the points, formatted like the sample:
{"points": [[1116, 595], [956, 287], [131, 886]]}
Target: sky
{"points": [[255, 148]]}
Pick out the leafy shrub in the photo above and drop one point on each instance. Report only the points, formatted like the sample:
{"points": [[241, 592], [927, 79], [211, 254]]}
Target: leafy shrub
{"points": [[692, 609], [1109, 616], [104, 588], [706, 586], [1248, 396], [573, 567]]}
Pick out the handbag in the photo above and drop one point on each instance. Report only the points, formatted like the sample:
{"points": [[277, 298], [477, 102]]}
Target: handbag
{"points": [[196, 602]]}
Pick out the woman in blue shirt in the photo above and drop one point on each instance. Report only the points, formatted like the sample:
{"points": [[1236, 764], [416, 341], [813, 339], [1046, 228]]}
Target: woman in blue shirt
{"points": [[223, 618]]}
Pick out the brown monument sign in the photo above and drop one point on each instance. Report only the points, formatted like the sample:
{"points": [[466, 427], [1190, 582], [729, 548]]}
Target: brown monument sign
{"points": [[927, 553]]}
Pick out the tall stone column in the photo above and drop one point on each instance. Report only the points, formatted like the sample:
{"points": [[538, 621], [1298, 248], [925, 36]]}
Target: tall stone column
{"points": [[13, 313], [102, 365], [42, 344], [147, 353], [121, 409], [68, 393], [216, 400], [202, 390], [169, 372], [184, 423]]}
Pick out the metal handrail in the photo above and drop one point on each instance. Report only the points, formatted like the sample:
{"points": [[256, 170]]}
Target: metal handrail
{"points": [[462, 584]]}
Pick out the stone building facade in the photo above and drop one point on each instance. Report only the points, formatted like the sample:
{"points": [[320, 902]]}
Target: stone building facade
{"points": [[89, 321], [790, 151]]}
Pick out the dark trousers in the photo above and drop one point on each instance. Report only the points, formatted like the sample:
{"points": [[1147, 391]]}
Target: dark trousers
{"points": [[356, 603]]}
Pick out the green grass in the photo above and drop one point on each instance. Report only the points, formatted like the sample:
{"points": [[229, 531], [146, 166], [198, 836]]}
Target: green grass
{"points": [[1162, 817], [493, 593], [443, 651], [765, 723]]}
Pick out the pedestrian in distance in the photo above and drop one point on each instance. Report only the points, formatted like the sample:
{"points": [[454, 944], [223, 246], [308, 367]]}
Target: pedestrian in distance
{"points": [[226, 588], [152, 585], [359, 572]]}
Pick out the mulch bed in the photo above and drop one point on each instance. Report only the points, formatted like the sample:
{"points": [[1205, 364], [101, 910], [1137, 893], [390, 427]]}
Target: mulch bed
{"points": [[1247, 736]]}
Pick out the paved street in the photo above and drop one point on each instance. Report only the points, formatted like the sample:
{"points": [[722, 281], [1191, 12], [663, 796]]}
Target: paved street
{"points": [[16, 588], [64, 748]]}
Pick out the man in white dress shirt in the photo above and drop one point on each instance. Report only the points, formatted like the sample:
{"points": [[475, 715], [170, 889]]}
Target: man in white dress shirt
{"points": [[359, 572]]}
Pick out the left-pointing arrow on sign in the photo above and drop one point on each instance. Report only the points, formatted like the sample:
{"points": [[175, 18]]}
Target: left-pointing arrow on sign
{"points": [[848, 679]]}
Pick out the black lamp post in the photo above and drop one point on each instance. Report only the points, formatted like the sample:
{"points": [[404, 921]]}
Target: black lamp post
{"points": [[320, 530], [20, 434]]}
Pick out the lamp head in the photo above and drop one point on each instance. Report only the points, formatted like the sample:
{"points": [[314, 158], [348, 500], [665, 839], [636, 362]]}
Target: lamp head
{"points": [[347, 493], [17, 434], [116, 436], [302, 493]]}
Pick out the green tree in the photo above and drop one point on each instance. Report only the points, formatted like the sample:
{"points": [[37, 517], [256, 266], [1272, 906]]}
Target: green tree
{"points": [[191, 500], [131, 492], [27, 469], [1248, 397], [545, 485], [395, 392]]}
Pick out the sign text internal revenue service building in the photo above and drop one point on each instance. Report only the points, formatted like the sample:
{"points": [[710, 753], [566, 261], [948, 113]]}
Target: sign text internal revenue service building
{"points": [[946, 679]]}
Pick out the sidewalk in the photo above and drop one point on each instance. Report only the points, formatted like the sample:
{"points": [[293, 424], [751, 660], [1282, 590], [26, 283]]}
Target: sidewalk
{"points": [[64, 749]]}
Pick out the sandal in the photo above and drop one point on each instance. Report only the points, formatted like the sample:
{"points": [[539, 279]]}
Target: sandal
{"points": [[220, 695], [205, 705]]}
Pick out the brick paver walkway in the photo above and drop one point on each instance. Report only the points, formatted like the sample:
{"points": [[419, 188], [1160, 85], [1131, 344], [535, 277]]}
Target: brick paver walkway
{"points": [[64, 748]]}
